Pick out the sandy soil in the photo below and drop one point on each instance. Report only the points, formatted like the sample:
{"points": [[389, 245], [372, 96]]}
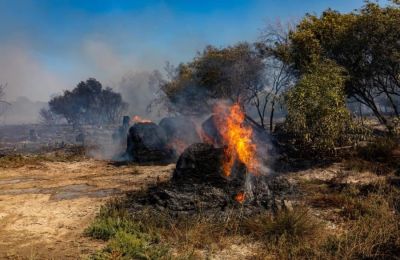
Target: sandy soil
{"points": [[44, 208]]}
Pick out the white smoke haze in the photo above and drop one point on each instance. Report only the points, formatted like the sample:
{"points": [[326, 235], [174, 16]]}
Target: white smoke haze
{"points": [[26, 76]]}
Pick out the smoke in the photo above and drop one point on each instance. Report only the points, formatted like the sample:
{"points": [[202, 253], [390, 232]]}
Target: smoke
{"points": [[22, 111], [137, 90], [25, 76]]}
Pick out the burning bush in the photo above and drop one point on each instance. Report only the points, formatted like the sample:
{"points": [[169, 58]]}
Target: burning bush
{"points": [[212, 178]]}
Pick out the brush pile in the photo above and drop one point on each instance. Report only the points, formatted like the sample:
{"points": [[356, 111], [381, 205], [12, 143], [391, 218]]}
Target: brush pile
{"points": [[199, 185]]}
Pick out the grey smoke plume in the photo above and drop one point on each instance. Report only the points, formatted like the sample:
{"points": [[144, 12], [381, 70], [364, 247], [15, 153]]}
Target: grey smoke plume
{"points": [[137, 90]]}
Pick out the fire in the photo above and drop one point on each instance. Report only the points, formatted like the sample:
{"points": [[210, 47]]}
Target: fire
{"points": [[138, 119], [238, 140], [240, 197]]}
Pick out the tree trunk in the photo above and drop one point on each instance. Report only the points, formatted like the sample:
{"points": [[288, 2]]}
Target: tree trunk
{"points": [[361, 114], [396, 112], [271, 117]]}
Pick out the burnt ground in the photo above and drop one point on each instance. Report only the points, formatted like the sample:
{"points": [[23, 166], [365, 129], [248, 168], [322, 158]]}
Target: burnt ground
{"points": [[46, 202], [47, 199]]}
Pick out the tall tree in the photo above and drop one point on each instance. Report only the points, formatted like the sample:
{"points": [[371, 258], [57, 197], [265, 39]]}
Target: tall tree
{"points": [[278, 75], [365, 43], [234, 73]]}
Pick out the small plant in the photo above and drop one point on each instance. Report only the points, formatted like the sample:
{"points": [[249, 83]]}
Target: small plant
{"points": [[127, 239], [291, 225]]}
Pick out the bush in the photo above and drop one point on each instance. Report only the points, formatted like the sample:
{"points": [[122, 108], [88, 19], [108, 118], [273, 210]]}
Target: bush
{"points": [[318, 119], [291, 225]]}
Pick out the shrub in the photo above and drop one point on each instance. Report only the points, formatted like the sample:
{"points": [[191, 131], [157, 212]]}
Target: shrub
{"points": [[318, 119], [291, 225]]}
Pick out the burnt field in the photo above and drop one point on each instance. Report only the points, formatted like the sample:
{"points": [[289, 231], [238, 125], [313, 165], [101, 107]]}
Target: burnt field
{"points": [[37, 138], [62, 197], [165, 130]]}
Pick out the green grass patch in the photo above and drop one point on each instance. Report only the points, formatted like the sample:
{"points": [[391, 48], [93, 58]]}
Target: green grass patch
{"points": [[127, 238]]}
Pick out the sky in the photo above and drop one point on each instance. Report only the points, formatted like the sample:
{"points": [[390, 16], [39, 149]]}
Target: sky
{"points": [[47, 46]]}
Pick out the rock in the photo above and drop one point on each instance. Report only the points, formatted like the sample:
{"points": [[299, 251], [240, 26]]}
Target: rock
{"points": [[147, 142]]}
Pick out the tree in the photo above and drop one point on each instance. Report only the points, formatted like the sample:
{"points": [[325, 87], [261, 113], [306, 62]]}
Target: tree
{"points": [[89, 103], [47, 117], [365, 43], [234, 73], [317, 116], [278, 75]]}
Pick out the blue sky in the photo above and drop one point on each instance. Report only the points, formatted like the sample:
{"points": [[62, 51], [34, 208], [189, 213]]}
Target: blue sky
{"points": [[50, 45]]}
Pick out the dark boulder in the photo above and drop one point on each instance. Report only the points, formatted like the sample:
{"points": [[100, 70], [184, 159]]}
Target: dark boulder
{"points": [[147, 142]]}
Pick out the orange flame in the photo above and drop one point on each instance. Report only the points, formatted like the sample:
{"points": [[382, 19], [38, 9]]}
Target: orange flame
{"points": [[138, 119], [238, 139], [240, 197]]}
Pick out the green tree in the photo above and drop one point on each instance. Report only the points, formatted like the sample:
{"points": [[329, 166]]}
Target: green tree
{"points": [[317, 115], [365, 43], [235, 73], [88, 103]]}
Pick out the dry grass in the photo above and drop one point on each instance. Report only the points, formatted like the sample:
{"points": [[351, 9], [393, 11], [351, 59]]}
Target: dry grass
{"points": [[71, 154], [372, 230], [335, 220]]}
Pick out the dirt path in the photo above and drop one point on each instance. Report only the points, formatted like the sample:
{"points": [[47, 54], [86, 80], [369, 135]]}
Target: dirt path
{"points": [[45, 207]]}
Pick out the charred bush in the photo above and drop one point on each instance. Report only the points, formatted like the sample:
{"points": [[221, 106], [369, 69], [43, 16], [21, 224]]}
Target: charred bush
{"points": [[198, 185], [147, 142]]}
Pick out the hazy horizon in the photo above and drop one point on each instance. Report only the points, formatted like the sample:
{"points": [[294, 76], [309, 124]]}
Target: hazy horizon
{"points": [[52, 45]]}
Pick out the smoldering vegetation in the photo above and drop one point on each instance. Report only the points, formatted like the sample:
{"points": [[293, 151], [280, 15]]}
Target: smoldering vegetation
{"points": [[290, 143]]}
